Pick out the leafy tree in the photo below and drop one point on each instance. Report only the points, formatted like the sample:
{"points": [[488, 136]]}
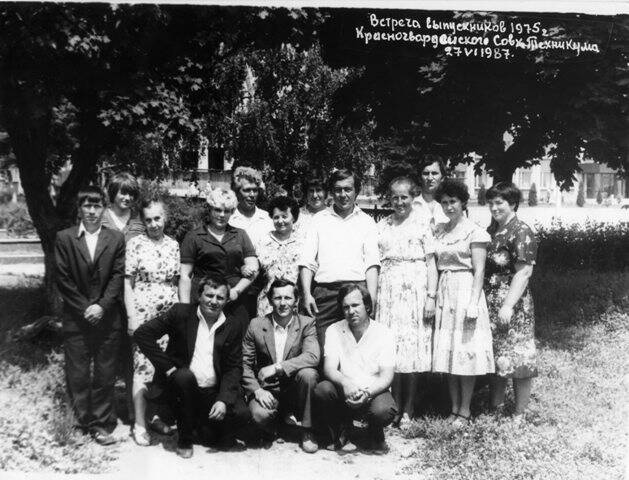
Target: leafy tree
{"points": [[122, 84], [550, 103], [533, 196]]}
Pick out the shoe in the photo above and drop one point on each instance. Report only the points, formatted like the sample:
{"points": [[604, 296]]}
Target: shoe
{"points": [[102, 437], [184, 451], [461, 421], [158, 425], [309, 443], [378, 443], [342, 441], [141, 436]]}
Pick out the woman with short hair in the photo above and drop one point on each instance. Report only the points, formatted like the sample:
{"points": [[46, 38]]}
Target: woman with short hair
{"points": [[510, 261], [278, 251], [151, 272], [123, 192], [462, 345], [218, 248]]}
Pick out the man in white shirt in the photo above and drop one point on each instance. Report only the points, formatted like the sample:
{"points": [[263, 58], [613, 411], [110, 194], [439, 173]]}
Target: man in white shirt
{"points": [[246, 183], [201, 368], [359, 362], [340, 246], [280, 354], [433, 171]]}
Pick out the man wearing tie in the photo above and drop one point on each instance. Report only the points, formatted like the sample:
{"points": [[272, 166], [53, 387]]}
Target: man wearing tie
{"points": [[89, 260]]}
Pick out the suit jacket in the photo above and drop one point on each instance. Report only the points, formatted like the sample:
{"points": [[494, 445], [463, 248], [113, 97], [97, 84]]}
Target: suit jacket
{"points": [[180, 323], [258, 349], [83, 282]]}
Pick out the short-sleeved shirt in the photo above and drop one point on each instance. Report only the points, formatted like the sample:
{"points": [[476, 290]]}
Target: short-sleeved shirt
{"points": [[453, 248], [430, 212], [512, 243], [340, 249], [360, 361], [257, 226], [209, 255]]}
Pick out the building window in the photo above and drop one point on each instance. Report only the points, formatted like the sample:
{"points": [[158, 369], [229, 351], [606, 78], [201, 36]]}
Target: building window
{"points": [[547, 180], [524, 179]]}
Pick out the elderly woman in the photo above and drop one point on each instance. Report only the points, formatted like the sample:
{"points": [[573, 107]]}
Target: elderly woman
{"points": [[123, 191], [462, 345], [510, 261], [151, 272], [217, 247], [278, 251], [432, 173], [406, 291]]}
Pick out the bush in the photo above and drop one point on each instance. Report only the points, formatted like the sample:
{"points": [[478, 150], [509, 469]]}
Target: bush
{"points": [[482, 192], [580, 195], [16, 219], [599, 197], [533, 196], [593, 246]]}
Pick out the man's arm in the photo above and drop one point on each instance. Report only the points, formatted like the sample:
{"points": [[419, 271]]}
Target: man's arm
{"points": [[67, 285], [249, 381], [383, 381], [111, 295], [308, 265], [332, 373], [231, 366], [185, 282], [310, 352], [371, 277], [147, 335]]}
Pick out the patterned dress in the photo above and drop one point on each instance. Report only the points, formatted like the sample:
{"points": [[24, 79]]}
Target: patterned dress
{"points": [[402, 290], [278, 259], [514, 344], [461, 346], [154, 266]]}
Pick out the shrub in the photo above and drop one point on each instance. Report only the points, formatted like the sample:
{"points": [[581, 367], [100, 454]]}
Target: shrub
{"points": [[580, 195], [17, 220], [482, 192], [533, 196], [599, 197]]}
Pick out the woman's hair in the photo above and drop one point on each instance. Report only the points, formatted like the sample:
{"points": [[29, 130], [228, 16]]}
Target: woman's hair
{"points": [[342, 174], [123, 182], [348, 288], [283, 203], [279, 283], [453, 188], [91, 194], [245, 173], [507, 191], [429, 159], [147, 202], [413, 188], [222, 197]]}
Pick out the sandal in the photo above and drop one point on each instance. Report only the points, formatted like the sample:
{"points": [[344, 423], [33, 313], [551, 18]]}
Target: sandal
{"points": [[141, 436], [461, 420]]}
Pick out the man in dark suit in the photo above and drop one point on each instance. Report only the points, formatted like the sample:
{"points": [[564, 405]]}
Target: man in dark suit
{"points": [[89, 260], [201, 368], [280, 357]]}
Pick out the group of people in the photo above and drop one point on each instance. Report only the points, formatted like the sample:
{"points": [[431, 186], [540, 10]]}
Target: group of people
{"points": [[311, 316]]}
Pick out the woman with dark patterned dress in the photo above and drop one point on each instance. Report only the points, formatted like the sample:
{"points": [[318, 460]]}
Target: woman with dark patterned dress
{"points": [[510, 261]]}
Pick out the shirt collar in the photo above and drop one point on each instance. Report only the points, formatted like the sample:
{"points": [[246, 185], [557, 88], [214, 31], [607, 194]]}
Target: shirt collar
{"points": [[277, 325], [221, 318], [355, 211], [258, 214], [348, 330], [83, 230]]}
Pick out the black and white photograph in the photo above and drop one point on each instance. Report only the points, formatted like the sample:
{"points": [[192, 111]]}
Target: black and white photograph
{"points": [[304, 240]]}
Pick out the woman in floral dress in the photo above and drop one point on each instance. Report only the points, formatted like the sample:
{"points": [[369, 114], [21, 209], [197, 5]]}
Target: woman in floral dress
{"points": [[462, 345], [510, 261], [151, 272], [406, 291], [278, 251]]}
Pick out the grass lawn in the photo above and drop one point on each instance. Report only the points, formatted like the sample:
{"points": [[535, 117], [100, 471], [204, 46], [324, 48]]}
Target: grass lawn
{"points": [[576, 427]]}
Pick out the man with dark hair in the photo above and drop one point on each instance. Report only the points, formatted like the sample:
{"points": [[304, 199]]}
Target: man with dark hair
{"points": [[201, 368], [359, 360], [280, 355], [89, 261], [340, 246]]}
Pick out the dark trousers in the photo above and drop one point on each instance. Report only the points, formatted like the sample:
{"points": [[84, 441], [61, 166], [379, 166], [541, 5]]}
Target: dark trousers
{"points": [[92, 394], [192, 405], [331, 408], [326, 296], [294, 395]]}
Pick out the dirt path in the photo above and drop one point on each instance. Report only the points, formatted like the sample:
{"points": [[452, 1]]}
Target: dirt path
{"points": [[283, 461]]}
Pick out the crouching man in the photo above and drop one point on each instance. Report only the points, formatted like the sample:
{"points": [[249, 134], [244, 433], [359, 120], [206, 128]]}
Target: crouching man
{"points": [[201, 368], [359, 360], [280, 357]]}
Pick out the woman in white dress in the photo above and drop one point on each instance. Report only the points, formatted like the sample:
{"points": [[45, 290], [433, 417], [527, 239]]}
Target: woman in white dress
{"points": [[151, 277], [406, 291], [462, 345]]}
